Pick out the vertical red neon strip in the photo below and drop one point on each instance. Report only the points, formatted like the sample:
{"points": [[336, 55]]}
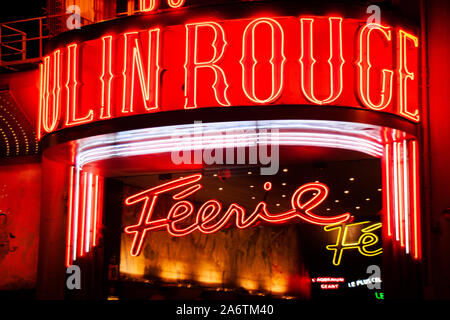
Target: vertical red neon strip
{"points": [[400, 192], [69, 221], [406, 195], [387, 188], [100, 206], [76, 210], [83, 214], [41, 89], [395, 189], [89, 207], [96, 193], [106, 78], [416, 201]]}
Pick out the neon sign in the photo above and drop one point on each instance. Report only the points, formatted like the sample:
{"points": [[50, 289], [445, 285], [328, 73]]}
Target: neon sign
{"points": [[244, 62], [328, 283], [366, 240], [208, 218]]}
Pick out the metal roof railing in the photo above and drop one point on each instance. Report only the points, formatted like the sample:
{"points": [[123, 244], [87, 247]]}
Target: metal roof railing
{"points": [[22, 42]]}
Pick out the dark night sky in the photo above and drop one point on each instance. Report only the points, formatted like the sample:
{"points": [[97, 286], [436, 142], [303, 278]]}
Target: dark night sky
{"points": [[11, 10]]}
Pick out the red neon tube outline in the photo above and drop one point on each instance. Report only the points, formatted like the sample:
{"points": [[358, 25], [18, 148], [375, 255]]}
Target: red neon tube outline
{"points": [[150, 97], [69, 223], [175, 3], [211, 209], [192, 63], [83, 215], [364, 69], [308, 90], [106, 77], [249, 82], [416, 206], [71, 89], [147, 5], [56, 91], [404, 75], [145, 196], [406, 196], [41, 95], [387, 166], [94, 228], [400, 194]]}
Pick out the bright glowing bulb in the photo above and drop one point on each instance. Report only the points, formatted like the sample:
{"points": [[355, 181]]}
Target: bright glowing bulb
{"points": [[285, 170], [346, 191], [352, 179]]}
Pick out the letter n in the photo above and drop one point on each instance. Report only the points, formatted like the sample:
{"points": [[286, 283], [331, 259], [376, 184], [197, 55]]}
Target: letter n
{"points": [[147, 68]]}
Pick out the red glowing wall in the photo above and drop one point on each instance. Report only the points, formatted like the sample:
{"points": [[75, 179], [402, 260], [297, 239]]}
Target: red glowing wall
{"points": [[20, 196]]}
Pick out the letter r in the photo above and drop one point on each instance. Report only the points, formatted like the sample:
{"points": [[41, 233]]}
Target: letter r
{"points": [[192, 64]]}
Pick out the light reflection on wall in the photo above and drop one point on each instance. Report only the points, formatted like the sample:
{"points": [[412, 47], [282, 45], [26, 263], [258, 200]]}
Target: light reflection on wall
{"points": [[219, 260]]}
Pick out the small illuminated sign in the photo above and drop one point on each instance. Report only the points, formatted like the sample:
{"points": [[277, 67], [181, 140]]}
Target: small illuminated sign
{"points": [[363, 244], [244, 62], [210, 217]]}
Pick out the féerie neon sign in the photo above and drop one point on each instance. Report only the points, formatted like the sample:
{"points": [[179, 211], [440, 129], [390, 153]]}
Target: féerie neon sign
{"points": [[208, 217], [243, 62]]}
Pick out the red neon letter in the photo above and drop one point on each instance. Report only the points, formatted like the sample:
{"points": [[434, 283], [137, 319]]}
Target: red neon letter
{"points": [[106, 78], [148, 78], [51, 95], [71, 89], [307, 61], [147, 5], [404, 74], [175, 3], [206, 220], [364, 67], [249, 61], [149, 197], [192, 65]]}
